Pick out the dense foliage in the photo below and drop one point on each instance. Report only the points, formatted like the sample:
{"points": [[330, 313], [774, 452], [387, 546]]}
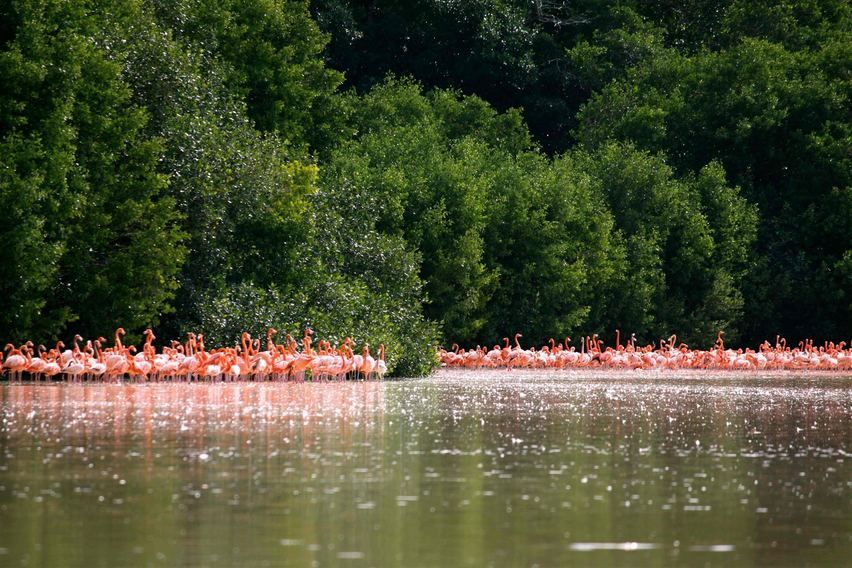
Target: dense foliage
{"points": [[411, 173]]}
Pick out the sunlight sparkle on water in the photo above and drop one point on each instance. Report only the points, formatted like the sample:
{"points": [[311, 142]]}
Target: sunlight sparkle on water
{"points": [[460, 468]]}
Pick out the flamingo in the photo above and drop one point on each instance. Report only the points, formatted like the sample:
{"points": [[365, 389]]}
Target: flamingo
{"points": [[36, 366], [668, 355], [303, 360], [368, 364], [15, 362], [74, 367], [51, 369], [381, 366], [328, 361]]}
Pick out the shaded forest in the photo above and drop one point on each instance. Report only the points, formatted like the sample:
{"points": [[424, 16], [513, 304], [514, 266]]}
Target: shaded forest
{"points": [[416, 173]]}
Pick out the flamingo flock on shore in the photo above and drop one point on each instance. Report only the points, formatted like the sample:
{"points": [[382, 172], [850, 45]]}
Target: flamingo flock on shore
{"points": [[190, 361], [669, 354]]}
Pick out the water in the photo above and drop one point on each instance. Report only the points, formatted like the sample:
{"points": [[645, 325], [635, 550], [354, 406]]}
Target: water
{"points": [[494, 468]]}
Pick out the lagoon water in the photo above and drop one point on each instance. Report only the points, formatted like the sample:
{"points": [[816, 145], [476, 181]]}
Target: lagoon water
{"points": [[462, 468]]}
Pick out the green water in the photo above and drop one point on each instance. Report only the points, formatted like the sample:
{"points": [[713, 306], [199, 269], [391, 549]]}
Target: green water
{"points": [[495, 468]]}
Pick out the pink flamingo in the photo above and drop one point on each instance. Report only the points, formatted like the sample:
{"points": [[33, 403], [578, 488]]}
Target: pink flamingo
{"points": [[15, 362]]}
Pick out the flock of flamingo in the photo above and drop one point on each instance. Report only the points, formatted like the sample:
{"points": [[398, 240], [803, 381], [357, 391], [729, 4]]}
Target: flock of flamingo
{"points": [[190, 361], [668, 355]]}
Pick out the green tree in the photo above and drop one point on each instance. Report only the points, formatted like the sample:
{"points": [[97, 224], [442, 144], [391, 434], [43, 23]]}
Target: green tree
{"points": [[508, 241], [423, 190], [269, 55], [627, 41], [549, 239], [685, 241], [778, 121], [243, 194], [261, 252], [97, 240], [491, 48]]}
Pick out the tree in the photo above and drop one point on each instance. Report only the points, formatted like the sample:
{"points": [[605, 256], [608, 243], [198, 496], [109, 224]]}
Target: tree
{"points": [[97, 240], [262, 249], [268, 55], [507, 239], [495, 49], [685, 241], [778, 122]]}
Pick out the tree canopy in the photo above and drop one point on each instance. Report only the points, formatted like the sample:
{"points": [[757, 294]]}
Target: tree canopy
{"points": [[415, 173]]}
